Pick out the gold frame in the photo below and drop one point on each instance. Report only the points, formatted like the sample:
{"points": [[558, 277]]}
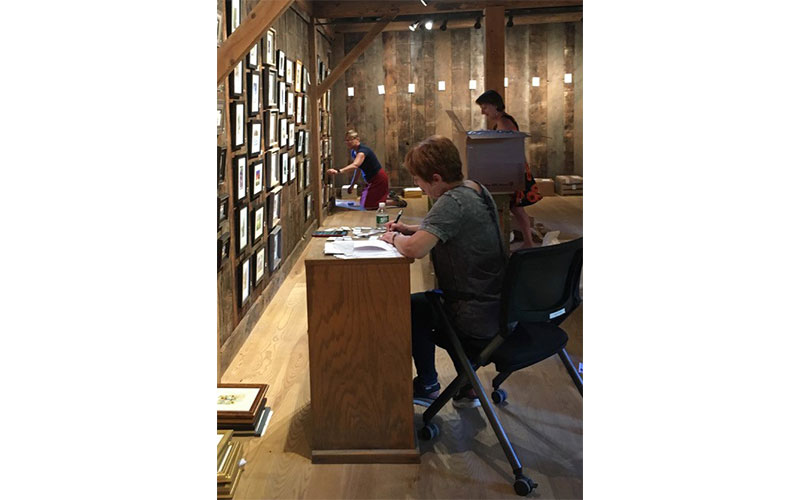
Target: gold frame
{"points": [[225, 472], [223, 443]]}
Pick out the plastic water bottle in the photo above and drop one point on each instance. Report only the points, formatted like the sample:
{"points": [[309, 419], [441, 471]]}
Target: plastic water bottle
{"points": [[381, 217]]}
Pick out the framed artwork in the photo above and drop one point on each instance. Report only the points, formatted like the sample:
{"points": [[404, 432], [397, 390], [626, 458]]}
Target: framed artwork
{"points": [[240, 168], [305, 143], [237, 114], [289, 103], [298, 76], [219, 28], [291, 135], [328, 100], [305, 109], [282, 137], [281, 63], [300, 138], [256, 178], [272, 132], [222, 210], [234, 14], [308, 206], [281, 97], [289, 72], [306, 80], [239, 401], [284, 168], [292, 168], [254, 85], [255, 138], [252, 57], [236, 82], [241, 223], [223, 249], [258, 265], [272, 89], [275, 252], [220, 113], [258, 223], [272, 168], [306, 178], [221, 153], [244, 277], [299, 109], [320, 69], [274, 207], [301, 183], [269, 48]]}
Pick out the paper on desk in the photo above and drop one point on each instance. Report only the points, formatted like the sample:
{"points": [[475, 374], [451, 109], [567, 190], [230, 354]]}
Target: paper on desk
{"points": [[371, 249]]}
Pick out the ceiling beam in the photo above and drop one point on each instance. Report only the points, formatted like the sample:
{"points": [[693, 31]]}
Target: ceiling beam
{"points": [[564, 17], [247, 34], [344, 8], [351, 56]]}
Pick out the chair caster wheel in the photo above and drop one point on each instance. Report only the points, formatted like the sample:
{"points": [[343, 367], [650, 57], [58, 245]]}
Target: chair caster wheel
{"points": [[498, 396], [428, 432], [524, 485]]}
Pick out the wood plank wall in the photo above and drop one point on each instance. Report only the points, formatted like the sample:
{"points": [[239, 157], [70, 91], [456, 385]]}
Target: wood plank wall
{"points": [[390, 124]]}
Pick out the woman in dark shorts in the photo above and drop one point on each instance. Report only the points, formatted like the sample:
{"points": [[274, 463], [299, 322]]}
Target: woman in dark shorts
{"points": [[492, 106], [365, 161]]}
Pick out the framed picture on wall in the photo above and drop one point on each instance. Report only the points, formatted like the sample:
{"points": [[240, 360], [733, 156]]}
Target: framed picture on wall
{"points": [[320, 69], [300, 136], [221, 153], [236, 80], [258, 265], [284, 168], [254, 85], [281, 63], [301, 176], [272, 89], [222, 210], [273, 168], [305, 109], [292, 168], [257, 178], [281, 97], [258, 223], [328, 100], [252, 57], [244, 282], [289, 72], [308, 206], [219, 28], [289, 103], [274, 207], [275, 252], [306, 178], [299, 110], [298, 75], [269, 48], [305, 143], [234, 12], [272, 125], [240, 169], [241, 223], [223, 249], [255, 138], [291, 135], [237, 116], [282, 137]]}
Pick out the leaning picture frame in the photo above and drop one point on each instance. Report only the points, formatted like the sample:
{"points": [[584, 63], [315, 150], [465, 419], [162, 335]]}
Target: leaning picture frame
{"points": [[255, 138], [269, 48], [236, 80], [281, 62], [254, 87], [252, 57], [258, 265], [241, 234], [240, 174], [274, 207], [256, 178], [275, 251], [237, 117]]}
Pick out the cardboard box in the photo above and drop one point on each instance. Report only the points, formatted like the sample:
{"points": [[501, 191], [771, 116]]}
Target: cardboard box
{"points": [[569, 189], [547, 187], [350, 196], [495, 158], [413, 192]]}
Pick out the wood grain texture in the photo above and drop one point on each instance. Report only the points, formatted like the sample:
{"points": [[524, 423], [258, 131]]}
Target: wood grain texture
{"points": [[460, 63], [444, 99], [331, 9], [392, 153], [339, 114], [577, 77], [372, 104], [538, 18], [404, 120], [477, 72], [555, 99], [537, 116], [494, 49], [569, 99]]}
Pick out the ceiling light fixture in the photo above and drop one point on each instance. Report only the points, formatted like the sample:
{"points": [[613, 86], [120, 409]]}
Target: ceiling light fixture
{"points": [[428, 24], [414, 26], [423, 3], [443, 27]]}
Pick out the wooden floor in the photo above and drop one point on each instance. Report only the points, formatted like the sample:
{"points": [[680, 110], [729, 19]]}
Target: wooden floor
{"points": [[543, 416]]}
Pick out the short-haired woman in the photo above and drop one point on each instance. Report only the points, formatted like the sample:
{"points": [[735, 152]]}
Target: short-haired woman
{"points": [[365, 161]]}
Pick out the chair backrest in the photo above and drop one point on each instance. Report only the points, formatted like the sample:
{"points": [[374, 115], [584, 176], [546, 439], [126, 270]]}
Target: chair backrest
{"points": [[541, 284]]}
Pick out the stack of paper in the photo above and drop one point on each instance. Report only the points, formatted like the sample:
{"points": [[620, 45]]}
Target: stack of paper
{"points": [[370, 249]]}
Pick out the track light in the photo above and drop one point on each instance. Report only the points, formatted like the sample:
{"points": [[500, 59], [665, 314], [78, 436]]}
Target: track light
{"points": [[414, 26], [510, 23], [443, 27], [428, 24], [478, 23], [423, 3]]}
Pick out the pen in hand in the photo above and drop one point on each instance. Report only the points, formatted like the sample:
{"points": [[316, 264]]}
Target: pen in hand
{"points": [[398, 216]]}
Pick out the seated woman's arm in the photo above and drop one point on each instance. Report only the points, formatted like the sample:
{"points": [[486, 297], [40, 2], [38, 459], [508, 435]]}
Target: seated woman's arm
{"points": [[415, 246]]}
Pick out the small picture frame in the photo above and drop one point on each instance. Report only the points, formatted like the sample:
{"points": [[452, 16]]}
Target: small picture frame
{"points": [[223, 249], [257, 223], [308, 206], [306, 178], [221, 157], [299, 110], [241, 224], [254, 85], [283, 135], [255, 138], [306, 79], [300, 139], [284, 168], [289, 103], [244, 282], [256, 178], [273, 167], [269, 48], [272, 125], [292, 168], [281, 97], [219, 28], [252, 57], [275, 252], [222, 210], [236, 83], [240, 174], [237, 114], [298, 76], [271, 89], [291, 135], [281, 63], [259, 265], [220, 113], [274, 207], [305, 144], [305, 109], [301, 174], [234, 12], [289, 72]]}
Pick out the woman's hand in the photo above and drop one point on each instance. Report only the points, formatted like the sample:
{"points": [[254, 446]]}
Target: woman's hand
{"points": [[395, 226], [332, 171], [389, 237]]}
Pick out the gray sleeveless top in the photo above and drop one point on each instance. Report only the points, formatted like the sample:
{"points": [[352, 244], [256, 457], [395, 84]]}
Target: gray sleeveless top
{"points": [[469, 260]]}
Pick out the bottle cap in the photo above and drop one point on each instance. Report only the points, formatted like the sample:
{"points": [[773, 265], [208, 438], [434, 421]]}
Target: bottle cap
{"points": [[381, 205]]}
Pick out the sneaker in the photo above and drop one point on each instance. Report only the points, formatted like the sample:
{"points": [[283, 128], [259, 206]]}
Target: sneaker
{"points": [[399, 202], [466, 399], [424, 395]]}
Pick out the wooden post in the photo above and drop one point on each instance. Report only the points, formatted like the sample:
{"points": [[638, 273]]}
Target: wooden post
{"points": [[494, 64], [313, 96]]}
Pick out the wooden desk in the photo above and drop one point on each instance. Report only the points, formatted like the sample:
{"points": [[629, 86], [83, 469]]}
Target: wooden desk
{"points": [[359, 346]]}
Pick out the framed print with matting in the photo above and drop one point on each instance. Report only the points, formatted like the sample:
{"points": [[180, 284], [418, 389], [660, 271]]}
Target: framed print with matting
{"points": [[298, 75], [273, 167], [289, 103], [256, 178], [221, 153], [274, 207], [283, 136], [281, 97], [281, 63], [271, 89], [291, 135], [240, 171], [275, 252], [237, 117], [292, 168], [269, 48], [254, 86], [258, 223], [258, 265], [241, 223], [236, 82], [272, 128], [223, 249], [244, 281], [222, 210], [255, 138], [289, 72], [284, 168], [252, 57]]}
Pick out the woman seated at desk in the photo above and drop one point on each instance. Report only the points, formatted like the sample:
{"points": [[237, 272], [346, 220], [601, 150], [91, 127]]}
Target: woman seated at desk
{"points": [[462, 233]]}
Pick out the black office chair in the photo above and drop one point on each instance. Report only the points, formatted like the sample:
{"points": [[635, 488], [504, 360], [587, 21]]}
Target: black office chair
{"points": [[541, 287]]}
